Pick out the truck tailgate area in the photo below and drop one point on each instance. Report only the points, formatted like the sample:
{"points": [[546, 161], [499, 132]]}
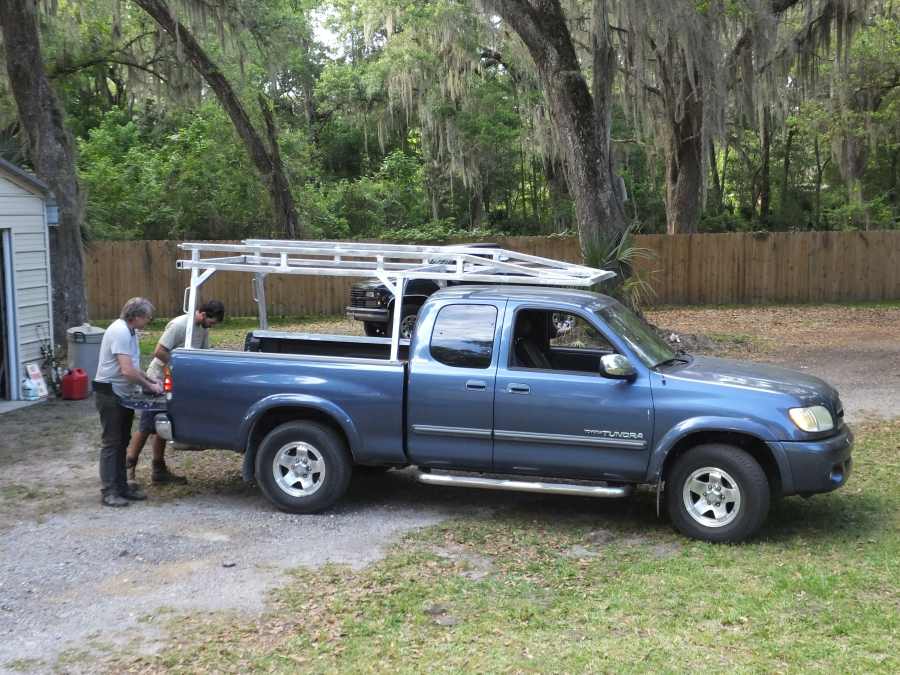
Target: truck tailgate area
{"points": [[217, 395]]}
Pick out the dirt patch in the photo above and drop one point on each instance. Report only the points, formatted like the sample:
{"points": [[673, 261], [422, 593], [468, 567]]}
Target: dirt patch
{"points": [[856, 349]]}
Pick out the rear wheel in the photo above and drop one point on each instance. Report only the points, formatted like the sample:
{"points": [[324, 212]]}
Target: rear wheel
{"points": [[717, 493], [303, 467]]}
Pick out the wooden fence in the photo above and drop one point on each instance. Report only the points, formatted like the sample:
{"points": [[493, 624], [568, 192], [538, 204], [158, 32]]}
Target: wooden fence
{"points": [[684, 269]]}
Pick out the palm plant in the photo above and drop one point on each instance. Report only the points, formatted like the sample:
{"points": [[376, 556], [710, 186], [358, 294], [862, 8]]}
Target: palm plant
{"points": [[630, 286]]}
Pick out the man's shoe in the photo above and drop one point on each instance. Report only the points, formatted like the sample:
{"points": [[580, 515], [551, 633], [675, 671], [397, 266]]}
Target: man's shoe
{"points": [[114, 500], [134, 493], [162, 476]]}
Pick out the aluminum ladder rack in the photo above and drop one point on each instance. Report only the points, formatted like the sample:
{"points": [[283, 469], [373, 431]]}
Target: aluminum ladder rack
{"points": [[393, 264]]}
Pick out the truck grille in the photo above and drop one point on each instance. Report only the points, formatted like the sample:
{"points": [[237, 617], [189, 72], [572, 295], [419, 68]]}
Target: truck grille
{"points": [[358, 298]]}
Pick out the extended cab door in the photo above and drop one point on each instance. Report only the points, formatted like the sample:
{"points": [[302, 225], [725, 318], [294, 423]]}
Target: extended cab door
{"points": [[555, 414], [450, 401]]}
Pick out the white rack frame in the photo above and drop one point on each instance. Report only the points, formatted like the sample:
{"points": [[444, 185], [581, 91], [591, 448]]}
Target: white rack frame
{"points": [[392, 264]]}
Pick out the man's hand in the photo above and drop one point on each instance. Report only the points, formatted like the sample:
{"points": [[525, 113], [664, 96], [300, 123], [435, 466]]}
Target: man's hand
{"points": [[156, 387]]}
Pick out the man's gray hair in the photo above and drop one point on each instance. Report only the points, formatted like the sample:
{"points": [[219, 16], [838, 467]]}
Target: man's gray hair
{"points": [[136, 307]]}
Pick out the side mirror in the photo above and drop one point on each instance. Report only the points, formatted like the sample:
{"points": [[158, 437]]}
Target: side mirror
{"points": [[617, 367]]}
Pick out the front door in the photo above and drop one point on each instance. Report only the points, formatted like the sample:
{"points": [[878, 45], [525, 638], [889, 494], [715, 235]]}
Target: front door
{"points": [[556, 415], [450, 401]]}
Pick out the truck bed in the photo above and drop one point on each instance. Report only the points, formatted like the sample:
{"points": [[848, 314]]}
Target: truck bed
{"points": [[317, 344], [217, 394]]}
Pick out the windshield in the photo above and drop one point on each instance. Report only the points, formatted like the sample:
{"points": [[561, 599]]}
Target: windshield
{"points": [[643, 340]]}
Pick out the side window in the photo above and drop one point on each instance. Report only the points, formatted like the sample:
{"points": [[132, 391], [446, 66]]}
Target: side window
{"points": [[463, 335], [570, 331], [548, 340]]}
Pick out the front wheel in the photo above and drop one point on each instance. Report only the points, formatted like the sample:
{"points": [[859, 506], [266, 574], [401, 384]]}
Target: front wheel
{"points": [[407, 321], [373, 329], [717, 493], [303, 467]]}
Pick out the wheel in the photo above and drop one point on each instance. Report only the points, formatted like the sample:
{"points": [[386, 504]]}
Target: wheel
{"points": [[303, 467], [407, 321], [717, 493], [373, 329]]}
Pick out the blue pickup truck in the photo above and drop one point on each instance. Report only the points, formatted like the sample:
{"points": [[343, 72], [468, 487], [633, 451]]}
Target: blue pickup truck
{"points": [[493, 390]]}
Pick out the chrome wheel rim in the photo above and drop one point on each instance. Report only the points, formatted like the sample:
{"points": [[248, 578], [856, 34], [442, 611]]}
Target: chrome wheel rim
{"points": [[712, 497], [407, 325], [299, 469]]}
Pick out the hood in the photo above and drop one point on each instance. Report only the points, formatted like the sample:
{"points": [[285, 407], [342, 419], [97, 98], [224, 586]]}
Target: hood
{"points": [[807, 389]]}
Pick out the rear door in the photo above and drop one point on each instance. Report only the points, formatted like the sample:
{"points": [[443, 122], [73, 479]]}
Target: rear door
{"points": [[561, 417], [450, 401]]}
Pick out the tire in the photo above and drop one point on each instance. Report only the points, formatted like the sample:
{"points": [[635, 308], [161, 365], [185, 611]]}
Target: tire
{"points": [[374, 329], [407, 321], [306, 490], [732, 513]]}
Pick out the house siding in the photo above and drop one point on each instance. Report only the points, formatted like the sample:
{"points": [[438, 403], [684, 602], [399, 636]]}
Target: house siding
{"points": [[22, 212]]}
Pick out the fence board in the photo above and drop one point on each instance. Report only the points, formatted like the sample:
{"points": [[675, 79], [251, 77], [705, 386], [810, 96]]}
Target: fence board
{"points": [[739, 268]]}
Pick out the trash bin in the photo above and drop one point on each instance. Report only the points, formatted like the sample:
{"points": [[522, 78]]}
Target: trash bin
{"points": [[84, 349]]}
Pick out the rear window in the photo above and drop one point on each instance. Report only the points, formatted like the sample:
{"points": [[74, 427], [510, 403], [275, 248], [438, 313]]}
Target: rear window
{"points": [[463, 335]]}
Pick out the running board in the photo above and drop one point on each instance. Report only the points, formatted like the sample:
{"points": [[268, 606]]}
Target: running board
{"points": [[525, 486]]}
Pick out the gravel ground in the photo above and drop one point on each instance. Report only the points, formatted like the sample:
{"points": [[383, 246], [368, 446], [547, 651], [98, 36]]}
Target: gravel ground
{"points": [[78, 581]]}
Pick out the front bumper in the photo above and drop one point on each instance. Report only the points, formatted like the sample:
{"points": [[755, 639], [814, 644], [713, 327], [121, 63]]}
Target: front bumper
{"points": [[368, 314], [820, 466]]}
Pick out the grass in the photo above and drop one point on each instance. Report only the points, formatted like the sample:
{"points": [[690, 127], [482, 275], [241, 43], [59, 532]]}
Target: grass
{"points": [[568, 585]]}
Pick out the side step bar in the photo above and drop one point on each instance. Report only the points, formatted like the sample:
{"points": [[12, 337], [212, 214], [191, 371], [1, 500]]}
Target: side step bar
{"points": [[525, 486]]}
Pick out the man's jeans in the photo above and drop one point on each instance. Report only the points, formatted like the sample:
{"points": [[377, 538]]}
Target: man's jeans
{"points": [[115, 422]]}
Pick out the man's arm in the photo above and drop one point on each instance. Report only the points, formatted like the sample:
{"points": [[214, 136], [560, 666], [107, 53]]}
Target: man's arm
{"points": [[135, 375], [162, 353]]}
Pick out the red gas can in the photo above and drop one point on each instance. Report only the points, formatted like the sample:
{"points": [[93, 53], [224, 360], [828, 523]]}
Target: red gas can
{"points": [[75, 385]]}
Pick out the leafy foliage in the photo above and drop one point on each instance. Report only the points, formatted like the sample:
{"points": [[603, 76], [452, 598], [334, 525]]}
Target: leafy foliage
{"points": [[423, 121]]}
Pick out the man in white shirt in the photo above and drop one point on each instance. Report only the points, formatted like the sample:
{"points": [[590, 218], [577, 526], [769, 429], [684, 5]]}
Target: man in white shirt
{"points": [[118, 374], [207, 315]]}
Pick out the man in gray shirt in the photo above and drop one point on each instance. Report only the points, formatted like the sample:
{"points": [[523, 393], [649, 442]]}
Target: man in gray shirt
{"points": [[118, 375], [207, 315]]}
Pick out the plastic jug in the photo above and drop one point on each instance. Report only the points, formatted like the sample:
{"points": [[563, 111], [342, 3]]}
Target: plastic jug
{"points": [[30, 390], [75, 385]]}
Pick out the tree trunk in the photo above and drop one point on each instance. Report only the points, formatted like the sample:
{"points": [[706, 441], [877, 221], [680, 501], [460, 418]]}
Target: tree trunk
{"points": [[52, 153], [765, 184], [684, 151], [267, 163], [785, 178], [716, 178], [820, 170], [683, 181], [580, 122]]}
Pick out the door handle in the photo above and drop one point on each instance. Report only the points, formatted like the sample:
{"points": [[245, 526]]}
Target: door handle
{"points": [[514, 388], [476, 385]]}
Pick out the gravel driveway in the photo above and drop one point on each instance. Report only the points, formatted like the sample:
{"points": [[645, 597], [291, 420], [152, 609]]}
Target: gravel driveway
{"points": [[78, 580]]}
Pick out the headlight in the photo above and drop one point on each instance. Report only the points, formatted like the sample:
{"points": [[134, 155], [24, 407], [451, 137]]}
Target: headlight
{"points": [[814, 418]]}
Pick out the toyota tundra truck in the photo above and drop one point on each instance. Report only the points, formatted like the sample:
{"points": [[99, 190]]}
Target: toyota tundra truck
{"points": [[494, 391]]}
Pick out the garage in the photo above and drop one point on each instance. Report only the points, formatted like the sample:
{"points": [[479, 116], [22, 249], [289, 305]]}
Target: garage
{"points": [[25, 297]]}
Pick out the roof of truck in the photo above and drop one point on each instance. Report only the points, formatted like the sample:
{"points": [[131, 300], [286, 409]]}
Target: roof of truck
{"points": [[524, 293]]}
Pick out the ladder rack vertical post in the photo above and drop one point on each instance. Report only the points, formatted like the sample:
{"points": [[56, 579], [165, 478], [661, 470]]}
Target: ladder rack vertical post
{"points": [[397, 318], [259, 295], [192, 300]]}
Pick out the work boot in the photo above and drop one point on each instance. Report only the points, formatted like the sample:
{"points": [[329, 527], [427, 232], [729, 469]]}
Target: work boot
{"points": [[130, 466], [134, 493], [114, 500], [161, 475]]}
